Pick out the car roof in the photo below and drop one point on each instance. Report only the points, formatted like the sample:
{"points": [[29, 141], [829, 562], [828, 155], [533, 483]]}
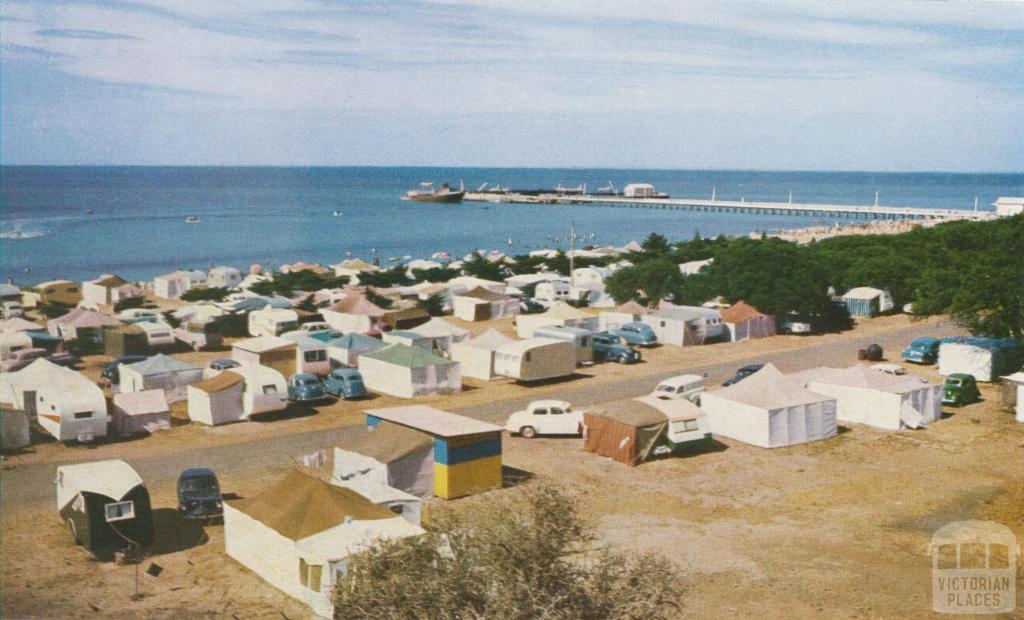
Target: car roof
{"points": [[305, 377], [348, 372], [127, 358], [752, 367], [550, 403], [960, 375], [195, 472], [925, 340]]}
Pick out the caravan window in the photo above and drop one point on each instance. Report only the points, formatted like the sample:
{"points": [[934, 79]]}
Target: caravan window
{"points": [[690, 425], [119, 511], [526, 356], [315, 356], [315, 572], [339, 569], [83, 415], [270, 389], [303, 572], [397, 508]]}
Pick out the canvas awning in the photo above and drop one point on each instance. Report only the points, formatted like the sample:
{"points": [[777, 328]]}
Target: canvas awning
{"points": [[388, 442], [219, 382]]}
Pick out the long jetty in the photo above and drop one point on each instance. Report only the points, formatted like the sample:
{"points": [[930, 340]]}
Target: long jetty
{"points": [[870, 212]]}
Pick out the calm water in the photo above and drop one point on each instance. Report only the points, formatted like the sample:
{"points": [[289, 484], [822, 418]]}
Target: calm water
{"points": [[272, 216]]}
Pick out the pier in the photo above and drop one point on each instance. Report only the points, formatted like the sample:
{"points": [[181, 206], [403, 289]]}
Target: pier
{"points": [[865, 212]]}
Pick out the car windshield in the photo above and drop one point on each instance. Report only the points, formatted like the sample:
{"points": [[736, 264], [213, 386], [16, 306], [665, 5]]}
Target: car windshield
{"points": [[666, 388], [953, 382], [306, 381], [199, 484]]}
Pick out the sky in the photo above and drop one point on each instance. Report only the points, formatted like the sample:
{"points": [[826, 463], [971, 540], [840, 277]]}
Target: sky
{"points": [[781, 85]]}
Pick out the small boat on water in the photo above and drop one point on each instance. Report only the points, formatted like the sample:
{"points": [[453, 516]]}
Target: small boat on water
{"points": [[337, 214], [191, 220], [88, 210], [427, 193]]}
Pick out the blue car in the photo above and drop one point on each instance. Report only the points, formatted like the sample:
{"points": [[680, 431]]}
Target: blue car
{"points": [[638, 334], [345, 383], [199, 494], [303, 388], [922, 351], [110, 375], [607, 346], [743, 373]]}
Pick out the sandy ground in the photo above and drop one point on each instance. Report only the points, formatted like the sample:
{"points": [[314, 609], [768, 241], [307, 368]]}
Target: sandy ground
{"points": [[836, 528]]}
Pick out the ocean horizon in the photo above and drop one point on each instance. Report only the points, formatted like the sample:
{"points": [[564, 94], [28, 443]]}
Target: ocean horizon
{"points": [[77, 222]]}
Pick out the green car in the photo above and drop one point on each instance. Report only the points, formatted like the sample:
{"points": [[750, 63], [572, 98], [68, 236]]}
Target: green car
{"points": [[960, 389]]}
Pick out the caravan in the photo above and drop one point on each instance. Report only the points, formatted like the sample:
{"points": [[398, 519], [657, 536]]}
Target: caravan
{"points": [[582, 340], [66, 404], [272, 322], [535, 359]]}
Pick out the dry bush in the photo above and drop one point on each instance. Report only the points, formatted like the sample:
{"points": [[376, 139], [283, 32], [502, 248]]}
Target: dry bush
{"points": [[512, 556]]}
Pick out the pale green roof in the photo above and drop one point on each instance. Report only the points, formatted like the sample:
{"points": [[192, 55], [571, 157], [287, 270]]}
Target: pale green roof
{"points": [[409, 357]]}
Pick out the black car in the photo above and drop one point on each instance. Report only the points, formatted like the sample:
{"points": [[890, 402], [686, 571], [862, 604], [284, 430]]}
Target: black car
{"points": [[199, 494], [743, 373], [63, 359], [109, 374]]}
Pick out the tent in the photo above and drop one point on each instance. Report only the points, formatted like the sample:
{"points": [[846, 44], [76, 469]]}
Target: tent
{"points": [[270, 351], [67, 326], [867, 301], [535, 359], [265, 390], [18, 324], [345, 351], [13, 341], [1012, 393], [560, 313], [868, 396], [407, 372], [387, 455], [984, 358], [746, 322], [768, 409], [629, 312], [121, 340], [635, 430], [140, 412], [678, 326], [160, 372], [442, 335], [66, 404], [298, 533], [481, 304], [409, 339], [14, 428], [217, 400], [476, 355], [108, 289], [467, 452], [224, 277], [404, 319], [354, 313], [171, 285], [397, 501], [106, 505]]}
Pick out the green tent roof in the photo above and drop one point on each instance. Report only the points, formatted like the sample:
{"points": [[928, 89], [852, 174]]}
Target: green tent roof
{"points": [[410, 357]]}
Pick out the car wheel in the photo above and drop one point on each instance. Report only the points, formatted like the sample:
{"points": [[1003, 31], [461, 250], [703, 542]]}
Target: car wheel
{"points": [[528, 431], [623, 359]]}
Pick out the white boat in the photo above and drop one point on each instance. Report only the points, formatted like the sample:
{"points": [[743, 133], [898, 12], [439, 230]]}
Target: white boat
{"points": [[337, 214], [192, 219]]}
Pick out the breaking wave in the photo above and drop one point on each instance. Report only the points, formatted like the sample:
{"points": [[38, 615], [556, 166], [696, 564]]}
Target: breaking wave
{"points": [[22, 234]]}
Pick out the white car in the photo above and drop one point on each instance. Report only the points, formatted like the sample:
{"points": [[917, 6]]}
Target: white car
{"points": [[546, 417], [689, 387]]}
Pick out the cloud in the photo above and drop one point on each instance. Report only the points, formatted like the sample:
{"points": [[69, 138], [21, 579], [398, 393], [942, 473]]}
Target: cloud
{"points": [[71, 33]]}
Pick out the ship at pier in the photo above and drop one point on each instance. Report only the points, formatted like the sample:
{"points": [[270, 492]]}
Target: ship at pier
{"points": [[427, 193]]}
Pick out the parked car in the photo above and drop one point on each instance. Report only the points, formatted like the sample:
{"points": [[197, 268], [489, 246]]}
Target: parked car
{"points": [[199, 494], [63, 359], [689, 387], [316, 326], [110, 376], [608, 346], [217, 366], [960, 389], [546, 417], [345, 383], [303, 388], [890, 369], [639, 334], [19, 359], [743, 373], [922, 351]]}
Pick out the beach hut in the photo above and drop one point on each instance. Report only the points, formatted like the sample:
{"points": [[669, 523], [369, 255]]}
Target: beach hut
{"points": [[162, 372], [121, 340], [14, 428], [629, 312], [63, 402], [481, 304], [345, 351], [867, 301], [270, 351], [10, 342], [109, 289], [298, 533], [677, 326], [355, 313], [264, 389], [769, 410], [224, 277], [171, 285], [560, 313], [106, 506], [407, 372], [476, 355], [219, 399], [441, 335], [387, 455], [985, 359], [63, 292], [639, 429], [140, 412], [310, 353], [467, 452], [90, 323], [535, 359], [746, 322], [868, 396]]}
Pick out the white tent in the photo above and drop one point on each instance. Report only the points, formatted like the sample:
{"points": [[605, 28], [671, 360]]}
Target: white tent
{"points": [[160, 372], [481, 304], [867, 396], [769, 410], [298, 534], [270, 351], [345, 351], [984, 358], [217, 400], [476, 355], [265, 389], [388, 454], [14, 428], [408, 372], [66, 404], [171, 285], [677, 326], [560, 313], [18, 324], [442, 335], [867, 301], [140, 412], [1015, 382], [629, 312]]}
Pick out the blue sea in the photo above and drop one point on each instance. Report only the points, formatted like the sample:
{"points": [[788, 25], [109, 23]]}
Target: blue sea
{"points": [[272, 216]]}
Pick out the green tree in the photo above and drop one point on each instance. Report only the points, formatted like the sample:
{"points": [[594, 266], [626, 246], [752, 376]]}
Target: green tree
{"points": [[655, 245], [645, 282], [479, 267], [526, 556], [202, 293], [435, 274], [378, 300], [434, 305]]}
